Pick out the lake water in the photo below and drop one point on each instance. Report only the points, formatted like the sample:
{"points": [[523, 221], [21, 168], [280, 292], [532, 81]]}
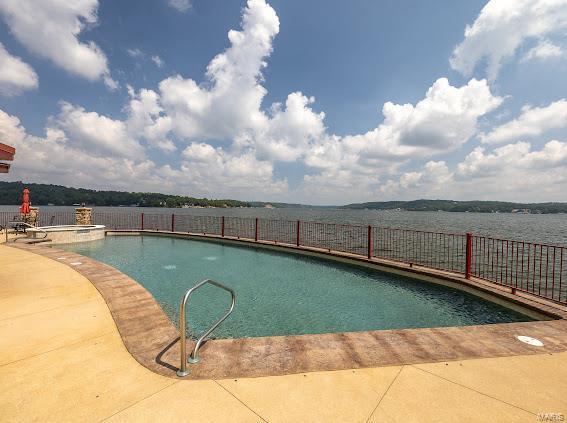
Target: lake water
{"points": [[550, 228]]}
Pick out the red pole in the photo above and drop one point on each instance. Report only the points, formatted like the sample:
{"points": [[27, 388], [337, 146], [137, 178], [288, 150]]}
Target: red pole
{"points": [[256, 231], [297, 235], [468, 256], [142, 221], [222, 226], [369, 242], [172, 222]]}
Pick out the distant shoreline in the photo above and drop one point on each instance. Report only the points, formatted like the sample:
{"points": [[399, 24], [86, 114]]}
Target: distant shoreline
{"points": [[14, 208], [57, 195]]}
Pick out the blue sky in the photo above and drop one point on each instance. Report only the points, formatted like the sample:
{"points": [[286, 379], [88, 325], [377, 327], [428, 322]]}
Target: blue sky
{"points": [[312, 101]]}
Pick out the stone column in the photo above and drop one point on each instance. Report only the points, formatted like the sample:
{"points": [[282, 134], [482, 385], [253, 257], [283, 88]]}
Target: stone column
{"points": [[83, 216], [32, 217]]}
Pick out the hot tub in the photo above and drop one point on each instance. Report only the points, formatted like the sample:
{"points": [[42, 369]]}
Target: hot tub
{"points": [[67, 234]]}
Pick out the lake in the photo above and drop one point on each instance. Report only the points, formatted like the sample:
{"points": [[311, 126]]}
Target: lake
{"points": [[548, 228]]}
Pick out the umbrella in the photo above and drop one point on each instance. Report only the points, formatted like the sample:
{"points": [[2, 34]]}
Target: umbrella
{"points": [[25, 207]]}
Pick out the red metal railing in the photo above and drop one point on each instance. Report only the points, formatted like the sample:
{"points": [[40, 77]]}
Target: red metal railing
{"points": [[207, 225], [334, 237], [118, 220], [443, 251], [240, 227], [278, 231], [537, 269]]}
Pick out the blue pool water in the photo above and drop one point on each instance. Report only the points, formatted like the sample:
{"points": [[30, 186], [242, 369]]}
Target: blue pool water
{"points": [[284, 294]]}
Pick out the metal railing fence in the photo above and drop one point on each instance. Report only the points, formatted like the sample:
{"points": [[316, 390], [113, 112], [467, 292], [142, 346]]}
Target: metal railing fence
{"points": [[534, 268]]}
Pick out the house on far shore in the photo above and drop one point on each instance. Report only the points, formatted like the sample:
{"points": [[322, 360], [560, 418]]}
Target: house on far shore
{"points": [[7, 153]]}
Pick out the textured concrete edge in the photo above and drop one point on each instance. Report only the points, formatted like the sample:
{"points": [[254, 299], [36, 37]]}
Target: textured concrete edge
{"points": [[146, 335]]}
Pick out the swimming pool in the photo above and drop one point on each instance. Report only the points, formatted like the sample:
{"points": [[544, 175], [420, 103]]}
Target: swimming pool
{"points": [[280, 293]]}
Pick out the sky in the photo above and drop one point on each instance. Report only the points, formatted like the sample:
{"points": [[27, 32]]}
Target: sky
{"points": [[310, 101]]}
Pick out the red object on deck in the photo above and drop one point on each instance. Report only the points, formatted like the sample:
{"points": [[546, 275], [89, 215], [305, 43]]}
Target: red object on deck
{"points": [[25, 207], [7, 152]]}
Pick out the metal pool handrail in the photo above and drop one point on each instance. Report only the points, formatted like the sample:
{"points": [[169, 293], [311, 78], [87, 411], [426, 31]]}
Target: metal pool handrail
{"points": [[194, 358]]}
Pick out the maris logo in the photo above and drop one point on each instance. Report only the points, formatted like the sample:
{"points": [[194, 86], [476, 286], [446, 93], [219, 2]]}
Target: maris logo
{"points": [[550, 417]]}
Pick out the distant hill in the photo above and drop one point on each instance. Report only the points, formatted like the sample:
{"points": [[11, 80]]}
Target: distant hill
{"points": [[462, 206], [43, 194]]}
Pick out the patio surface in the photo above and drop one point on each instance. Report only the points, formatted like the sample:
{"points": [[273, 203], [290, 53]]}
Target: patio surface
{"points": [[62, 359]]}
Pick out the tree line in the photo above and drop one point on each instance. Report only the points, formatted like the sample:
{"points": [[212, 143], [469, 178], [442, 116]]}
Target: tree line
{"points": [[57, 195]]}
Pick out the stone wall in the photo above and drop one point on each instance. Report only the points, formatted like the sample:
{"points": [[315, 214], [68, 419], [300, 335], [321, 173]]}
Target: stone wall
{"points": [[69, 235], [32, 217], [83, 216]]}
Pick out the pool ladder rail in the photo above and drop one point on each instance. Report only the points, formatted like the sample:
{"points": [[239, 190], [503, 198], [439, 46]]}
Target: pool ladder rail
{"points": [[194, 358]]}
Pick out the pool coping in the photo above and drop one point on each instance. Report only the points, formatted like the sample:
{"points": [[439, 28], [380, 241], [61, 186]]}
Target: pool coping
{"points": [[152, 339]]}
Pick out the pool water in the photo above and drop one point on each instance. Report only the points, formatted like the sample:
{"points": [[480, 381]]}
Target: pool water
{"points": [[279, 293]]}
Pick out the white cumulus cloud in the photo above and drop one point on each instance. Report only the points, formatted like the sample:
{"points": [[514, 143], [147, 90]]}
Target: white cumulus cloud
{"points": [[351, 166], [502, 27], [51, 29], [16, 75], [533, 121], [98, 134], [445, 119], [146, 120], [180, 5], [290, 131], [71, 156], [213, 169], [158, 61], [57, 159], [514, 172], [230, 103], [135, 52], [544, 50]]}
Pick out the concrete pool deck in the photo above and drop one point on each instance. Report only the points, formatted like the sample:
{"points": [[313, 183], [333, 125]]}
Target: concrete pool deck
{"points": [[62, 359]]}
